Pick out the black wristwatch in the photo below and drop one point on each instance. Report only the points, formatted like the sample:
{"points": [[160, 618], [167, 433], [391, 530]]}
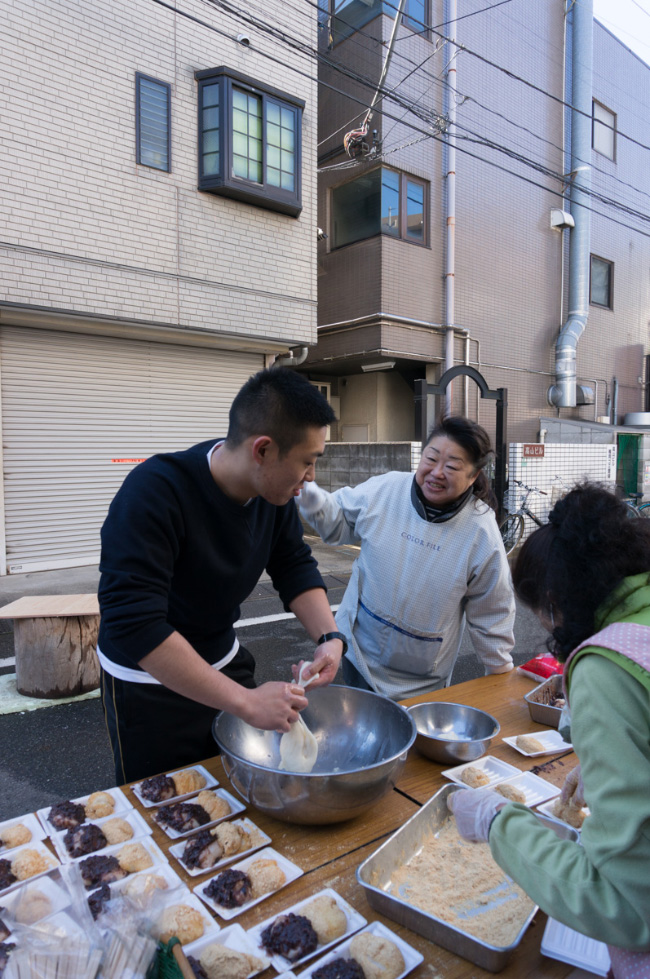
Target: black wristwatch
{"points": [[334, 635]]}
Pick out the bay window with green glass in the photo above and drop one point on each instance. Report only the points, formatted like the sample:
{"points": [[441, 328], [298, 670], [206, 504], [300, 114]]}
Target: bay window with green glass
{"points": [[249, 141], [380, 201]]}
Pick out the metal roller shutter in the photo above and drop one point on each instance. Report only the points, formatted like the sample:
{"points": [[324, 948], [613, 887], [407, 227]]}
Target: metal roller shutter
{"points": [[72, 405]]}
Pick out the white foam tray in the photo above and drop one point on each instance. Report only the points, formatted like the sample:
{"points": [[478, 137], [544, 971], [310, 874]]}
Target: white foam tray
{"points": [[57, 895], [494, 768], [139, 826], [354, 922], [535, 788], [178, 849], [232, 936], [411, 956], [210, 781], [552, 742], [154, 851], [291, 871], [547, 807], [236, 806], [563, 943], [122, 805], [40, 848], [30, 822]]}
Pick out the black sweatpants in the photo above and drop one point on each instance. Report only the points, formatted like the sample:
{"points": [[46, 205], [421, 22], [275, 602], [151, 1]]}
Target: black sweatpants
{"points": [[152, 729]]}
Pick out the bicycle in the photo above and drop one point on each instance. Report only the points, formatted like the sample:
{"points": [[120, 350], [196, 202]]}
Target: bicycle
{"points": [[635, 508], [512, 528]]}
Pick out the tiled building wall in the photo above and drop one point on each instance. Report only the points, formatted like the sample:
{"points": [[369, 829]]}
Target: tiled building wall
{"points": [[551, 475], [86, 229], [509, 262]]}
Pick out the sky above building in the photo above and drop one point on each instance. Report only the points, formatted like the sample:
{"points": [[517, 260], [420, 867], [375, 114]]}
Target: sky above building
{"points": [[629, 20]]}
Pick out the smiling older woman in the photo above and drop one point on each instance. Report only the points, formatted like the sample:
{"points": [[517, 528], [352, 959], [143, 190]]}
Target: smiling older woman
{"points": [[431, 560]]}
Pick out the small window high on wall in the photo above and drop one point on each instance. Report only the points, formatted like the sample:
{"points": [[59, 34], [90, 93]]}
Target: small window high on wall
{"points": [[603, 131], [381, 201], [601, 283], [249, 141], [152, 122]]}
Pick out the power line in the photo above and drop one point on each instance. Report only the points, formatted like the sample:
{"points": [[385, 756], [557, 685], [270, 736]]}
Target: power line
{"points": [[505, 71], [368, 84]]}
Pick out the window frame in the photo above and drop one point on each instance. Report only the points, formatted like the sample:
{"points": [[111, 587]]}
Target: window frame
{"points": [[423, 29], [329, 12], [599, 122], [139, 78], [225, 183], [402, 232], [610, 264]]}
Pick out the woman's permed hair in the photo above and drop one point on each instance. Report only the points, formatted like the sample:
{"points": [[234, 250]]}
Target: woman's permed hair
{"points": [[568, 568], [471, 437]]}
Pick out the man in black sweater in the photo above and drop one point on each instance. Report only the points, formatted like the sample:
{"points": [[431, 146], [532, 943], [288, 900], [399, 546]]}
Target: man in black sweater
{"points": [[184, 543]]}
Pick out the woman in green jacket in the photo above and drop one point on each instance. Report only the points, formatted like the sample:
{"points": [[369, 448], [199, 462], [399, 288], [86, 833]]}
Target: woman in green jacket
{"points": [[587, 576]]}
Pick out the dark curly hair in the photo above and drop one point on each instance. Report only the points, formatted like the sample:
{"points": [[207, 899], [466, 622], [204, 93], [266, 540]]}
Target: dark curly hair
{"points": [[476, 442], [567, 568]]}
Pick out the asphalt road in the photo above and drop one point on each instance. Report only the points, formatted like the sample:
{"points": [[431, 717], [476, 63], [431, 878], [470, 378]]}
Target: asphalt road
{"points": [[62, 752]]}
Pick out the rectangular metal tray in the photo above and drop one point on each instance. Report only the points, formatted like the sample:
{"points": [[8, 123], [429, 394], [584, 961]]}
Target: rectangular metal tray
{"points": [[538, 701], [374, 875]]}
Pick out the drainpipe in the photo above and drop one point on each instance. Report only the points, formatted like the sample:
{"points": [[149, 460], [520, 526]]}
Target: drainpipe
{"points": [[293, 359], [450, 271], [565, 393]]}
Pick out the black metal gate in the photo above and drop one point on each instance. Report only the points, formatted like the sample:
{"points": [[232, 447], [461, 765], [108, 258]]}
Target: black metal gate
{"points": [[500, 395]]}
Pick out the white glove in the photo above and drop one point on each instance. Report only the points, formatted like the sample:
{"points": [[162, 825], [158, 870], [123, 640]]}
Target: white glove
{"points": [[312, 499], [474, 810]]}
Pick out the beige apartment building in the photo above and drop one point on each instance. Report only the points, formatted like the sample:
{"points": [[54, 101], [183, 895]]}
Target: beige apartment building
{"points": [[493, 213], [158, 193]]}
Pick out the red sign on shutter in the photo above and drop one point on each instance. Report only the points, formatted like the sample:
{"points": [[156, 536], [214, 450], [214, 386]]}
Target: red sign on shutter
{"points": [[534, 450]]}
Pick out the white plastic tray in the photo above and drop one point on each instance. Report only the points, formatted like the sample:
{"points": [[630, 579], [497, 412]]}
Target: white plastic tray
{"points": [[160, 870], [139, 826], [291, 871], [236, 806], [547, 808], [354, 920], [30, 822], [122, 805], [185, 896], [210, 782], [178, 849], [536, 789], [57, 895], [411, 956], [494, 768], [552, 742], [156, 854], [563, 943], [37, 845], [233, 936]]}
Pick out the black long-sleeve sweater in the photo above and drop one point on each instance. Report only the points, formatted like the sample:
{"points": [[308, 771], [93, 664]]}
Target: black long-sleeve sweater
{"points": [[179, 555]]}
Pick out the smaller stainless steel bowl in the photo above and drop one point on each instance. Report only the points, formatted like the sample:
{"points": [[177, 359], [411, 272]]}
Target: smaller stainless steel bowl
{"points": [[452, 733]]}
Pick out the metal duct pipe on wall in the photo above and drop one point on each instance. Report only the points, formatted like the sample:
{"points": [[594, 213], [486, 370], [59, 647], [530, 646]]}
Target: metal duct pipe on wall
{"points": [[450, 150], [564, 393]]}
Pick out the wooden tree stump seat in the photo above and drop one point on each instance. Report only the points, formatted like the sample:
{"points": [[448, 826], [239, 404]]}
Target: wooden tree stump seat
{"points": [[55, 640]]}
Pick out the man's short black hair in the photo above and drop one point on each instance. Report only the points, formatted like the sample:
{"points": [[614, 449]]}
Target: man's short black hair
{"points": [[279, 403]]}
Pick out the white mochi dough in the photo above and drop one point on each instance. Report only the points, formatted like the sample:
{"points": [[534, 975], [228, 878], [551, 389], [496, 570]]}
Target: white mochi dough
{"points": [[298, 748]]}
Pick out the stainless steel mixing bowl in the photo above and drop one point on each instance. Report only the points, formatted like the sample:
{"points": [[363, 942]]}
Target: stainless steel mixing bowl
{"points": [[452, 733], [363, 740]]}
